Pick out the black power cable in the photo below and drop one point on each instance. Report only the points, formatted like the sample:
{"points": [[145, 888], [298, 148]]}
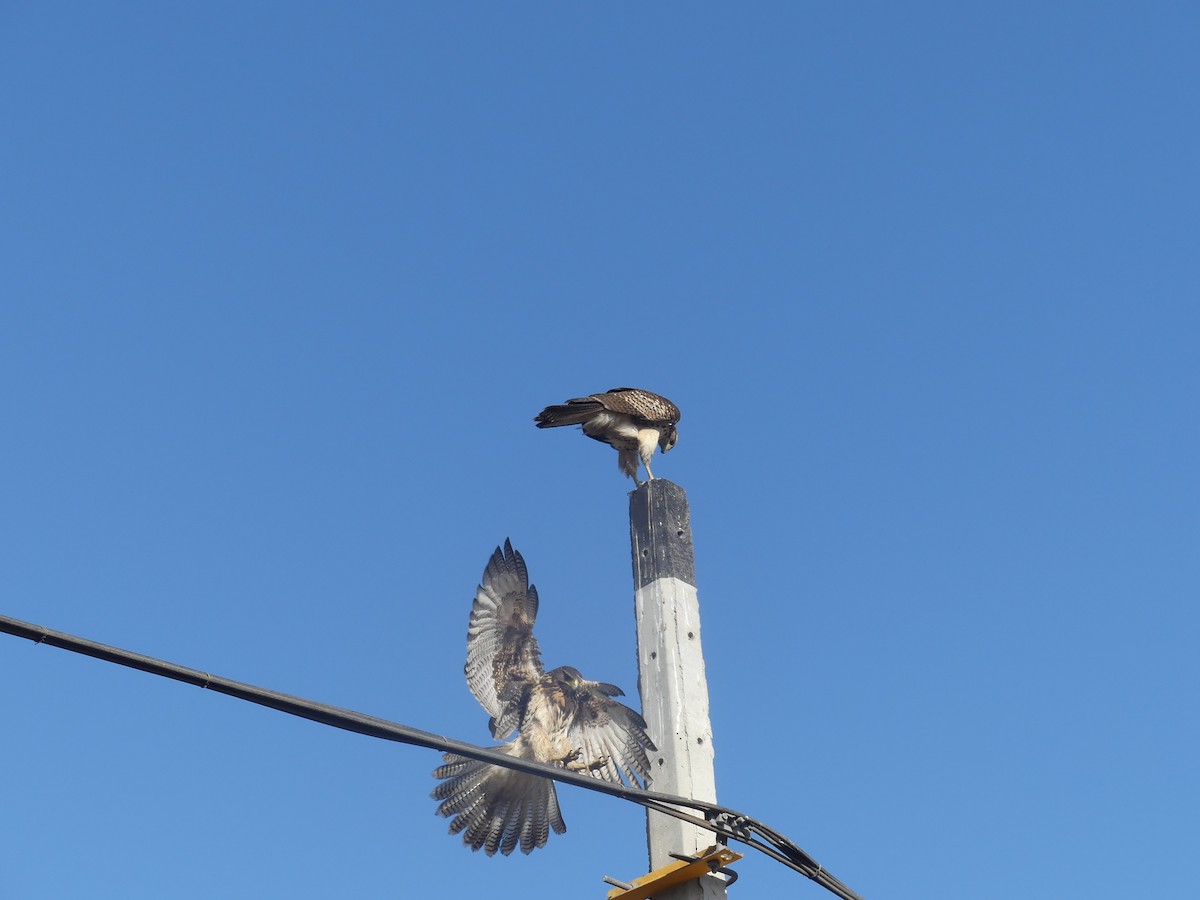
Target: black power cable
{"points": [[726, 823]]}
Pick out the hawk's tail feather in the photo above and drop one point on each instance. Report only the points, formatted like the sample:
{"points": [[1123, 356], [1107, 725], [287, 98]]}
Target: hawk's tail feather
{"points": [[496, 809], [454, 765], [573, 412]]}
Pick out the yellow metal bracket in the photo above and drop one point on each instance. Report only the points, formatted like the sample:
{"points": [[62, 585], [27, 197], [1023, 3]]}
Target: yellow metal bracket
{"points": [[715, 857]]}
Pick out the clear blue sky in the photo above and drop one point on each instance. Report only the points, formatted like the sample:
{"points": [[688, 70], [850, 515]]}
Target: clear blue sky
{"points": [[284, 284]]}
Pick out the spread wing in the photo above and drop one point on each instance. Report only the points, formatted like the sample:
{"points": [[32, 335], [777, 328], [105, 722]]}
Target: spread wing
{"points": [[608, 730], [644, 407], [503, 659]]}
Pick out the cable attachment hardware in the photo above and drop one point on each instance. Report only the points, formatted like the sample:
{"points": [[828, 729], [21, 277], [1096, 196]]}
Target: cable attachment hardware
{"points": [[737, 826], [687, 868], [713, 865]]}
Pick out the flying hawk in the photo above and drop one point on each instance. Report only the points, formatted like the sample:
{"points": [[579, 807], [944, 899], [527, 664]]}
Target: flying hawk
{"points": [[559, 718], [630, 419]]}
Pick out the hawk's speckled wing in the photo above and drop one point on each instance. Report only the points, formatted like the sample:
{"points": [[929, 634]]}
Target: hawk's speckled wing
{"points": [[502, 653], [645, 407]]}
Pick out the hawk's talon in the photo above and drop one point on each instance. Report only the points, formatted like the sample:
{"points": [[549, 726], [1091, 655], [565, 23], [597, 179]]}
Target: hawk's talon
{"points": [[571, 764]]}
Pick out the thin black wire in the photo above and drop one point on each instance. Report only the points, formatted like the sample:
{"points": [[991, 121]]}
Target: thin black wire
{"points": [[722, 821]]}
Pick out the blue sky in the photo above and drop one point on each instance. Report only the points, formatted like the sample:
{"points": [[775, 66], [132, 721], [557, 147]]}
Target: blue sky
{"points": [[284, 285]]}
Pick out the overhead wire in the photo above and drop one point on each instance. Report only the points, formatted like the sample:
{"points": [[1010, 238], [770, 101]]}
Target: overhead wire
{"points": [[726, 823]]}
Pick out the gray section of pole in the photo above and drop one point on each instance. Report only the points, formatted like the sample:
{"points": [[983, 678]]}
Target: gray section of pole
{"points": [[660, 524], [671, 679]]}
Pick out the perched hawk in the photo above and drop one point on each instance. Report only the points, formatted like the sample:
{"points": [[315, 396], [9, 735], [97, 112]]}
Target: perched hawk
{"points": [[629, 419], [559, 718]]}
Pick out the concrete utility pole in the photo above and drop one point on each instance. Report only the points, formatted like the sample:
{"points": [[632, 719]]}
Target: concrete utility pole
{"points": [[671, 677]]}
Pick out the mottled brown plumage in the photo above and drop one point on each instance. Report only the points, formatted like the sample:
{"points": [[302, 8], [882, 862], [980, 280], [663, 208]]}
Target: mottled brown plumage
{"points": [[559, 717], [631, 420]]}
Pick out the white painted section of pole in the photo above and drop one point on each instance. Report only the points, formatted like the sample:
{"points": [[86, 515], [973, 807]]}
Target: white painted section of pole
{"points": [[671, 677]]}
